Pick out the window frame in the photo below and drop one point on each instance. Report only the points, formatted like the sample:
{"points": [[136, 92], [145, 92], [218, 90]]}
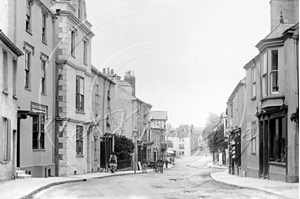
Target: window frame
{"points": [[27, 70], [253, 137], [73, 40], [274, 71], [79, 140], [15, 71], [44, 27], [38, 131], [43, 76], [282, 136], [264, 78], [79, 98], [85, 52], [5, 70], [28, 24], [253, 83]]}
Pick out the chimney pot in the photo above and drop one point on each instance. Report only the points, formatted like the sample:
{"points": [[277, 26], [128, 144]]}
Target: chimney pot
{"points": [[104, 70], [112, 71]]}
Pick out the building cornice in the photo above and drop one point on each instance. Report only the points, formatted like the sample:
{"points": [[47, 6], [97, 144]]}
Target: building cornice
{"points": [[78, 23], [267, 43], [44, 7], [97, 72], [252, 62], [10, 44], [74, 66]]}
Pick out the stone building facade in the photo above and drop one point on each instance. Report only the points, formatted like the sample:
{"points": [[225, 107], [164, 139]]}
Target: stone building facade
{"points": [[73, 85]]}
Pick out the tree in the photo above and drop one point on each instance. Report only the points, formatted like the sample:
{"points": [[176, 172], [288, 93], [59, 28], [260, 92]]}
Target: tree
{"points": [[124, 147], [216, 141], [213, 119]]}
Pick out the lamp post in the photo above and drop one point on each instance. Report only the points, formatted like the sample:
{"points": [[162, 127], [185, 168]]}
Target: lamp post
{"points": [[135, 134]]}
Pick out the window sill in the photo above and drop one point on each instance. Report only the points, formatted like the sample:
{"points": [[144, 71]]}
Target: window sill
{"points": [[73, 55], [45, 42], [4, 162], [44, 94], [253, 153], [5, 92], [273, 96], [80, 112], [15, 97], [39, 150], [79, 156], [28, 89], [281, 164], [253, 98], [29, 32]]}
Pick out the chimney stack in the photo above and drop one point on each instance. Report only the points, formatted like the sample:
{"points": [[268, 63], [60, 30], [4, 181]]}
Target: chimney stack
{"points": [[284, 11], [104, 70]]}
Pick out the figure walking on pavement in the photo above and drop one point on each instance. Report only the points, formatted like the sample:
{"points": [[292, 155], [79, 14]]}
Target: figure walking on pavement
{"points": [[113, 162]]}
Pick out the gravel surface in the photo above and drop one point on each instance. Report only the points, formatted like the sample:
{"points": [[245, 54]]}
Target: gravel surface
{"points": [[189, 178]]}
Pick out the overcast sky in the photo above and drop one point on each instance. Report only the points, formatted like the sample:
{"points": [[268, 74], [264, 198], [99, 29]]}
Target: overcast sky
{"points": [[187, 55]]}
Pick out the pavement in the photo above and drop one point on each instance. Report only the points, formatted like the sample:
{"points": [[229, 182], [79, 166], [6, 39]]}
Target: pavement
{"points": [[286, 190], [26, 188]]}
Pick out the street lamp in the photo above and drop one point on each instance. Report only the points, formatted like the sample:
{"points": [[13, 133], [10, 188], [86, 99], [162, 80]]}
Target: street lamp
{"points": [[135, 135]]}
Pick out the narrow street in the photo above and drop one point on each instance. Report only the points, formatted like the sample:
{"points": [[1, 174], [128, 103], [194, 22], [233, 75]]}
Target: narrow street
{"points": [[189, 178]]}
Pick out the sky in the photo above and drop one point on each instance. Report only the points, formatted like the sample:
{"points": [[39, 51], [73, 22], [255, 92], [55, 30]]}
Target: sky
{"points": [[187, 55]]}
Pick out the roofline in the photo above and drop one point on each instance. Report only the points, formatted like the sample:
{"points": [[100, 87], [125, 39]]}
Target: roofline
{"points": [[252, 61], [93, 68], [10, 44], [137, 99], [240, 84]]}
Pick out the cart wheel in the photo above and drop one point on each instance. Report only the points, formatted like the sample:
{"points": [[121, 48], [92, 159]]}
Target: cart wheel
{"points": [[155, 169]]}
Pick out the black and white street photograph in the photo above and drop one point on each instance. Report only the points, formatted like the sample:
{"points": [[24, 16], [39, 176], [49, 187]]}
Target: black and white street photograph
{"points": [[149, 99]]}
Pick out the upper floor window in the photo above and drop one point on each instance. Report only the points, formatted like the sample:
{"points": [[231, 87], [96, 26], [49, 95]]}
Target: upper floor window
{"points": [[27, 69], [28, 15], [85, 44], [264, 69], [79, 9], [274, 72], [5, 72], [73, 43], [15, 77], [96, 90], [44, 27], [79, 93], [253, 81], [43, 76]]}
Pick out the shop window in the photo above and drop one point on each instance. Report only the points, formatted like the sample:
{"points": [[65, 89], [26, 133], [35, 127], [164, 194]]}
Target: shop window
{"points": [[278, 139]]}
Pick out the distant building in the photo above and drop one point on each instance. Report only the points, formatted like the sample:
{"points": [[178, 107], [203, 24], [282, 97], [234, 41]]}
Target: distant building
{"points": [[236, 121], [156, 134], [102, 125], [8, 107]]}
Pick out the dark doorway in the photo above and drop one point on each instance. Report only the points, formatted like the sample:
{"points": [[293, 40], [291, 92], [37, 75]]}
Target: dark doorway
{"points": [[105, 151]]}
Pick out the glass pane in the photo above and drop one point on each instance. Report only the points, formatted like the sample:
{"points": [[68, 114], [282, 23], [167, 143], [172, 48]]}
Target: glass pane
{"points": [[274, 59], [42, 141], [274, 80]]}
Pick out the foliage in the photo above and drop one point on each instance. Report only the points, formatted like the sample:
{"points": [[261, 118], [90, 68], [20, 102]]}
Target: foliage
{"points": [[124, 147], [213, 119], [216, 141]]}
